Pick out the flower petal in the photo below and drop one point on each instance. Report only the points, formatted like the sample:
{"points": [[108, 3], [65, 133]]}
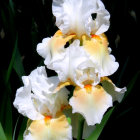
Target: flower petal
{"points": [[101, 23], [77, 68], [116, 93], [91, 102], [47, 100], [44, 100], [43, 48], [52, 48], [54, 129], [75, 16], [97, 48], [41, 83], [24, 103]]}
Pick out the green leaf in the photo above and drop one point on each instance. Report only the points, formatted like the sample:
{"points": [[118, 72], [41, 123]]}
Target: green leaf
{"points": [[22, 129], [12, 61], [122, 71], [8, 118], [80, 127], [99, 127], [69, 120], [2, 134], [18, 65], [131, 85], [124, 112], [14, 133], [6, 112], [12, 6]]}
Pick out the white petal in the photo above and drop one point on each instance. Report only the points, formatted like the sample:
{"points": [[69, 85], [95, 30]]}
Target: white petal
{"points": [[41, 83], [43, 48], [54, 129], [77, 68], [101, 23], [116, 93], [75, 16], [47, 101], [43, 100], [52, 49], [24, 103], [91, 103], [97, 48]]}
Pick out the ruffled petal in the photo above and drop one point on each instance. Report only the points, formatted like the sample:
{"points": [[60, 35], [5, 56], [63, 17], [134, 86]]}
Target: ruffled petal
{"points": [[75, 16], [116, 93], [44, 100], [77, 68], [101, 23], [43, 48], [24, 103], [91, 102], [53, 129], [97, 48], [52, 48], [41, 83], [48, 102]]}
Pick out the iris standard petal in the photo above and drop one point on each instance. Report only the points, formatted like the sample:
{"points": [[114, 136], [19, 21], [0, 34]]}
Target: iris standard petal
{"points": [[74, 16]]}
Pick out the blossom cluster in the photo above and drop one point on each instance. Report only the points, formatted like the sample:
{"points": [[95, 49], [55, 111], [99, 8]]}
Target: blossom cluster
{"points": [[84, 63]]}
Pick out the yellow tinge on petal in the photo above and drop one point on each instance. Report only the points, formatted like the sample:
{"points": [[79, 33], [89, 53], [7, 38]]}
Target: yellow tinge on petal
{"points": [[92, 102], [51, 129], [58, 41], [97, 47]]}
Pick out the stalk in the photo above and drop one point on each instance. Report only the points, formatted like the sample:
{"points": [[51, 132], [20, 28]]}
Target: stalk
{"points": [[80, 127]]}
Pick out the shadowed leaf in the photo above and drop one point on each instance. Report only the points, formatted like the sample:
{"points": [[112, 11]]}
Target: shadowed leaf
{"points": [[99, 127], [2, 134]]}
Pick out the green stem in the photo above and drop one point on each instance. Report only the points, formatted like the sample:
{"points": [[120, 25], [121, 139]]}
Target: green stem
{"points": [[80, 127]]}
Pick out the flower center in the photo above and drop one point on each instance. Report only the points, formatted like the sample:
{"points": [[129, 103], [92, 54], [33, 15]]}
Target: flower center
{"points": [[96, 37], [88, 88], [47, 118]]}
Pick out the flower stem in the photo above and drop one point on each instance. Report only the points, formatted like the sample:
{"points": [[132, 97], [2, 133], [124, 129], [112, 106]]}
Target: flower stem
{"points": [[80, 127]]}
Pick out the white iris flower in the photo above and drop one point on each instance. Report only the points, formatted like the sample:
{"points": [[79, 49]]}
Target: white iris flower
{"points": [[38, 101], [80, 55]]}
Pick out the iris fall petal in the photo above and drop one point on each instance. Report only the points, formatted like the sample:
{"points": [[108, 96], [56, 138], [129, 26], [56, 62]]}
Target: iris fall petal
{"points": [[92, 102]]}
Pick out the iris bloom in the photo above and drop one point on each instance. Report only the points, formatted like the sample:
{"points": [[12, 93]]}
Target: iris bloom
{"points": [[38, 101], [88, 54], [80, 55]]}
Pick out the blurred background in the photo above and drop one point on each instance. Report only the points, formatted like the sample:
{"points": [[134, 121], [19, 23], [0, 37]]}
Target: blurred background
{"points": [[23, 24]]}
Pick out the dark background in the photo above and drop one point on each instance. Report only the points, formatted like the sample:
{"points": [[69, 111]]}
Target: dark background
{"points": [[33, 20]]}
